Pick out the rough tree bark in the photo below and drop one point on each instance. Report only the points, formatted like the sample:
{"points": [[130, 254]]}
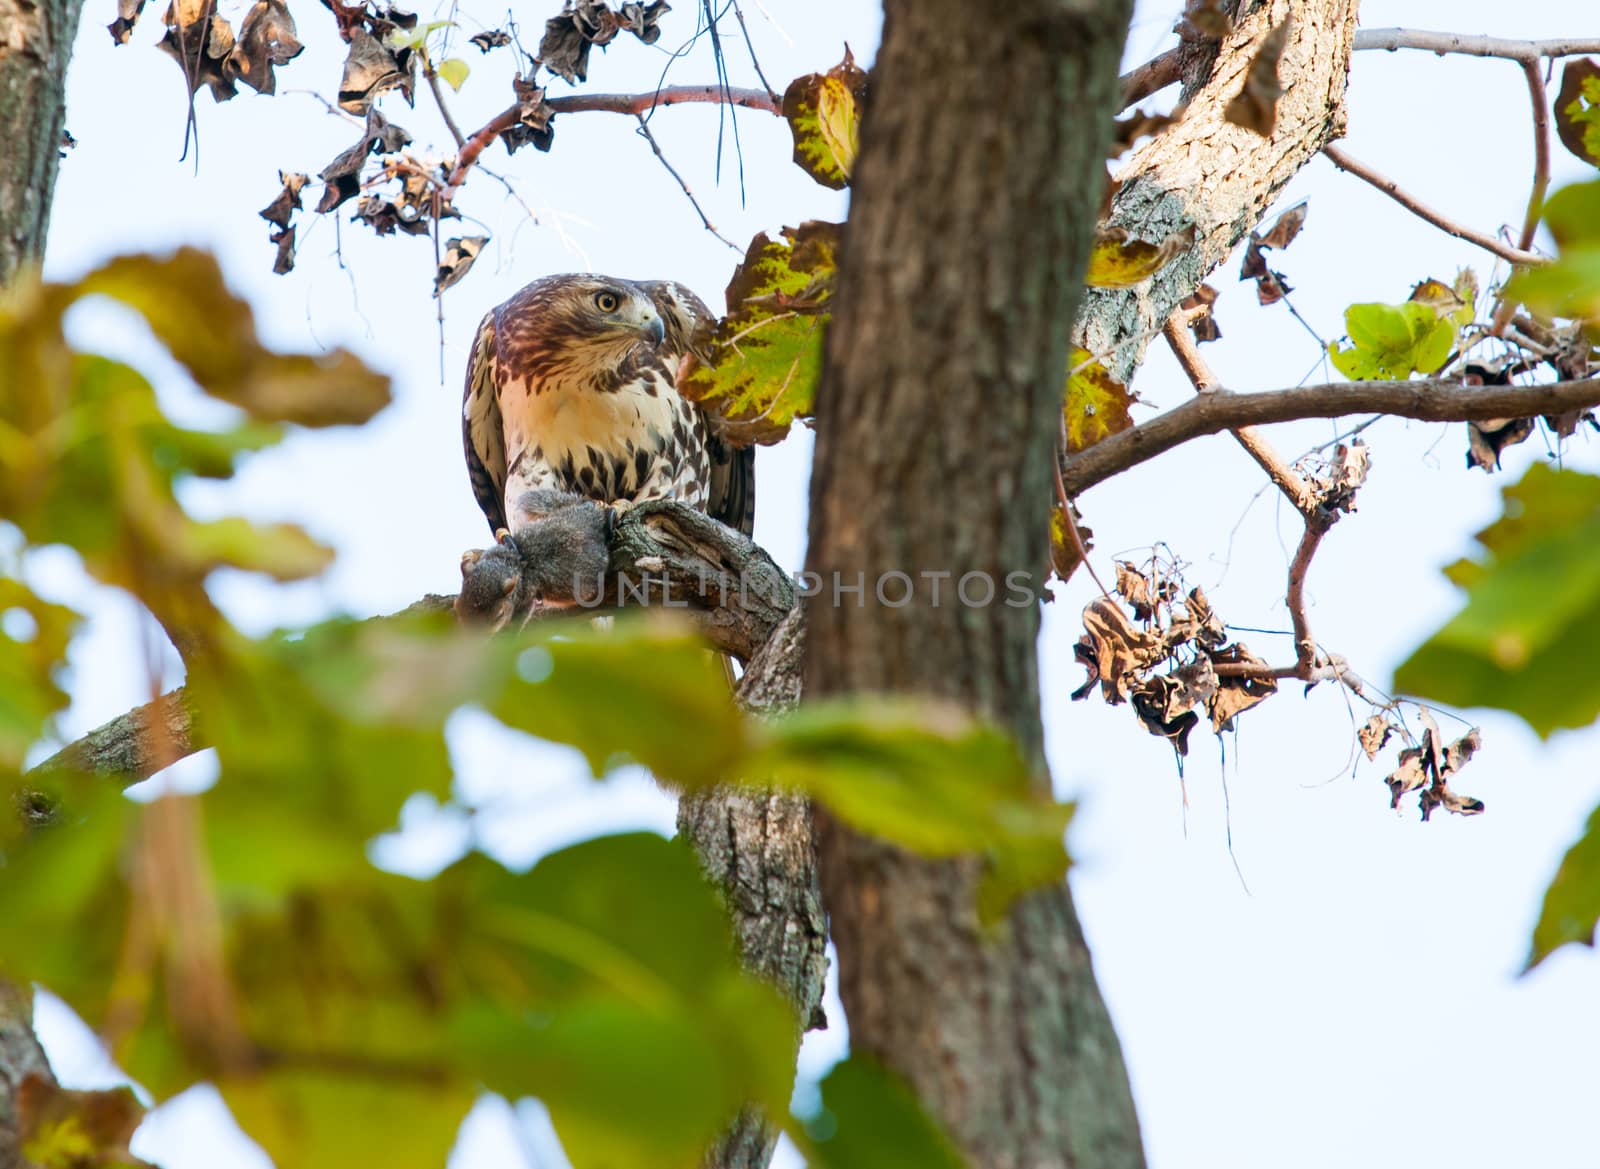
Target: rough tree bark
{"points": [[35, 44], [981, 168]]}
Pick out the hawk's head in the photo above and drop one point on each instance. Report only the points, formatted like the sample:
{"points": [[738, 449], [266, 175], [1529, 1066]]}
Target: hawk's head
{"points": [[575, 327]]}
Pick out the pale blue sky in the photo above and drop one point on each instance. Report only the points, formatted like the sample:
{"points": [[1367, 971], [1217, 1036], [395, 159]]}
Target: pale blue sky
{"points": [[1360, 1003]]}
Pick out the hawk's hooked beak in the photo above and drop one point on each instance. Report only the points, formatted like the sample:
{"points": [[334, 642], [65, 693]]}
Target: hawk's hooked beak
{"points": [[653, 329]]}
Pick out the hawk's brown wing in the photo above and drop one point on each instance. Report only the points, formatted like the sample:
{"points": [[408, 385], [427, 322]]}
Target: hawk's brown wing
{"points": [[481, 430], [686, 320]]}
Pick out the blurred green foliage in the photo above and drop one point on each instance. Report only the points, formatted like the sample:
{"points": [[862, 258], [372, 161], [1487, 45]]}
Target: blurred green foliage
{"points": [[1528, 634], [242, 936]]}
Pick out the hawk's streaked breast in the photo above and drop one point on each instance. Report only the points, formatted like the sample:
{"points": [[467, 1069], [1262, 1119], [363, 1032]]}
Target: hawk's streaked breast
{"points": [[572, 386]]}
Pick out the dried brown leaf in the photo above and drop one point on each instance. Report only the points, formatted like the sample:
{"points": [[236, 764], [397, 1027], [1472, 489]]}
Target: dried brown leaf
{"points": [[284, 262], [1236, 694], [371, 68], [1374, 733], [1064, 558], [1136, 589], [458, 258], [535, 124], [1256, 106], [1408, 776], [1197, 310], [1127, 131], [266, 40], [1120, 650], [200, 42], [492, 39], [1284, 228], [127, 16], [287, 202]]}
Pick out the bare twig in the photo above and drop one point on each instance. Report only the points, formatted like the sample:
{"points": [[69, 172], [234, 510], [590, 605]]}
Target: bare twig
{"points": [[633, 104], [1427, 400], [1305, 646], [1541, 152], [444, 110], [1441, 43], [1255, 443], [1151, 77], [1411, 203], [754, 62], [644, 132]]}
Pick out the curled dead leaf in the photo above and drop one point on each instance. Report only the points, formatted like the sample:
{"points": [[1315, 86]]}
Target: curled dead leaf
{"points": [[287, 201], [492, 39], [1238, 692], [201, 42], [1256, 106], [535, 124], [266, 40], [1374, 733], [1064, 557], [568, 36], [457, 261], [1197, 309], [372, 68], [284, 261]]}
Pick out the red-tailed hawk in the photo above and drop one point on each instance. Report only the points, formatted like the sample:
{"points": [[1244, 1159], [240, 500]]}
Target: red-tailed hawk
{"points": [[572, 386]]}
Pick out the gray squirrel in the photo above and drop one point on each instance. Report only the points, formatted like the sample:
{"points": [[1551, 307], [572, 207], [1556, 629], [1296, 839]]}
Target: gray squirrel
{"points": [[555, 556]]}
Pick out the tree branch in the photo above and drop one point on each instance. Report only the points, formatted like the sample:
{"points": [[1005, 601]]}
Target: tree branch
{"points": [[1152, 77], [1429, 400], [1441, 43], [644, 132], [1414, 205], [1541, 152], [633, 104], [1255, 444], [734, 592]]}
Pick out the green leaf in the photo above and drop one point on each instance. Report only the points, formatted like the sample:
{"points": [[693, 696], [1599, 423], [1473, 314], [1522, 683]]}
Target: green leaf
{"points": [[1572, 902], [928, 779], [760, 365], [211, 332], [646, 692], [1096, 404], [334, 1120], [1578, 109], [412, 38], [34, 634], [1391, 342], [1530, 630], [869, 1119], [1569, 287], [454, 70], [824, 115]]}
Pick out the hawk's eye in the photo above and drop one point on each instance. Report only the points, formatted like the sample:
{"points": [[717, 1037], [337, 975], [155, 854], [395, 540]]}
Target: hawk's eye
{"points": [[606, 302]]}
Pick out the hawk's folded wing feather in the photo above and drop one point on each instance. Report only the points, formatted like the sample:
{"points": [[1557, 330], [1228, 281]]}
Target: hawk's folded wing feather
{"points": [[481, 430], [732, 498]]}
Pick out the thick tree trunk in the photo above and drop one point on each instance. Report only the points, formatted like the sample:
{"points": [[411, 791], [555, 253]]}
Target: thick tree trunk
{"points": [[35, 44], [975, 197]]}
